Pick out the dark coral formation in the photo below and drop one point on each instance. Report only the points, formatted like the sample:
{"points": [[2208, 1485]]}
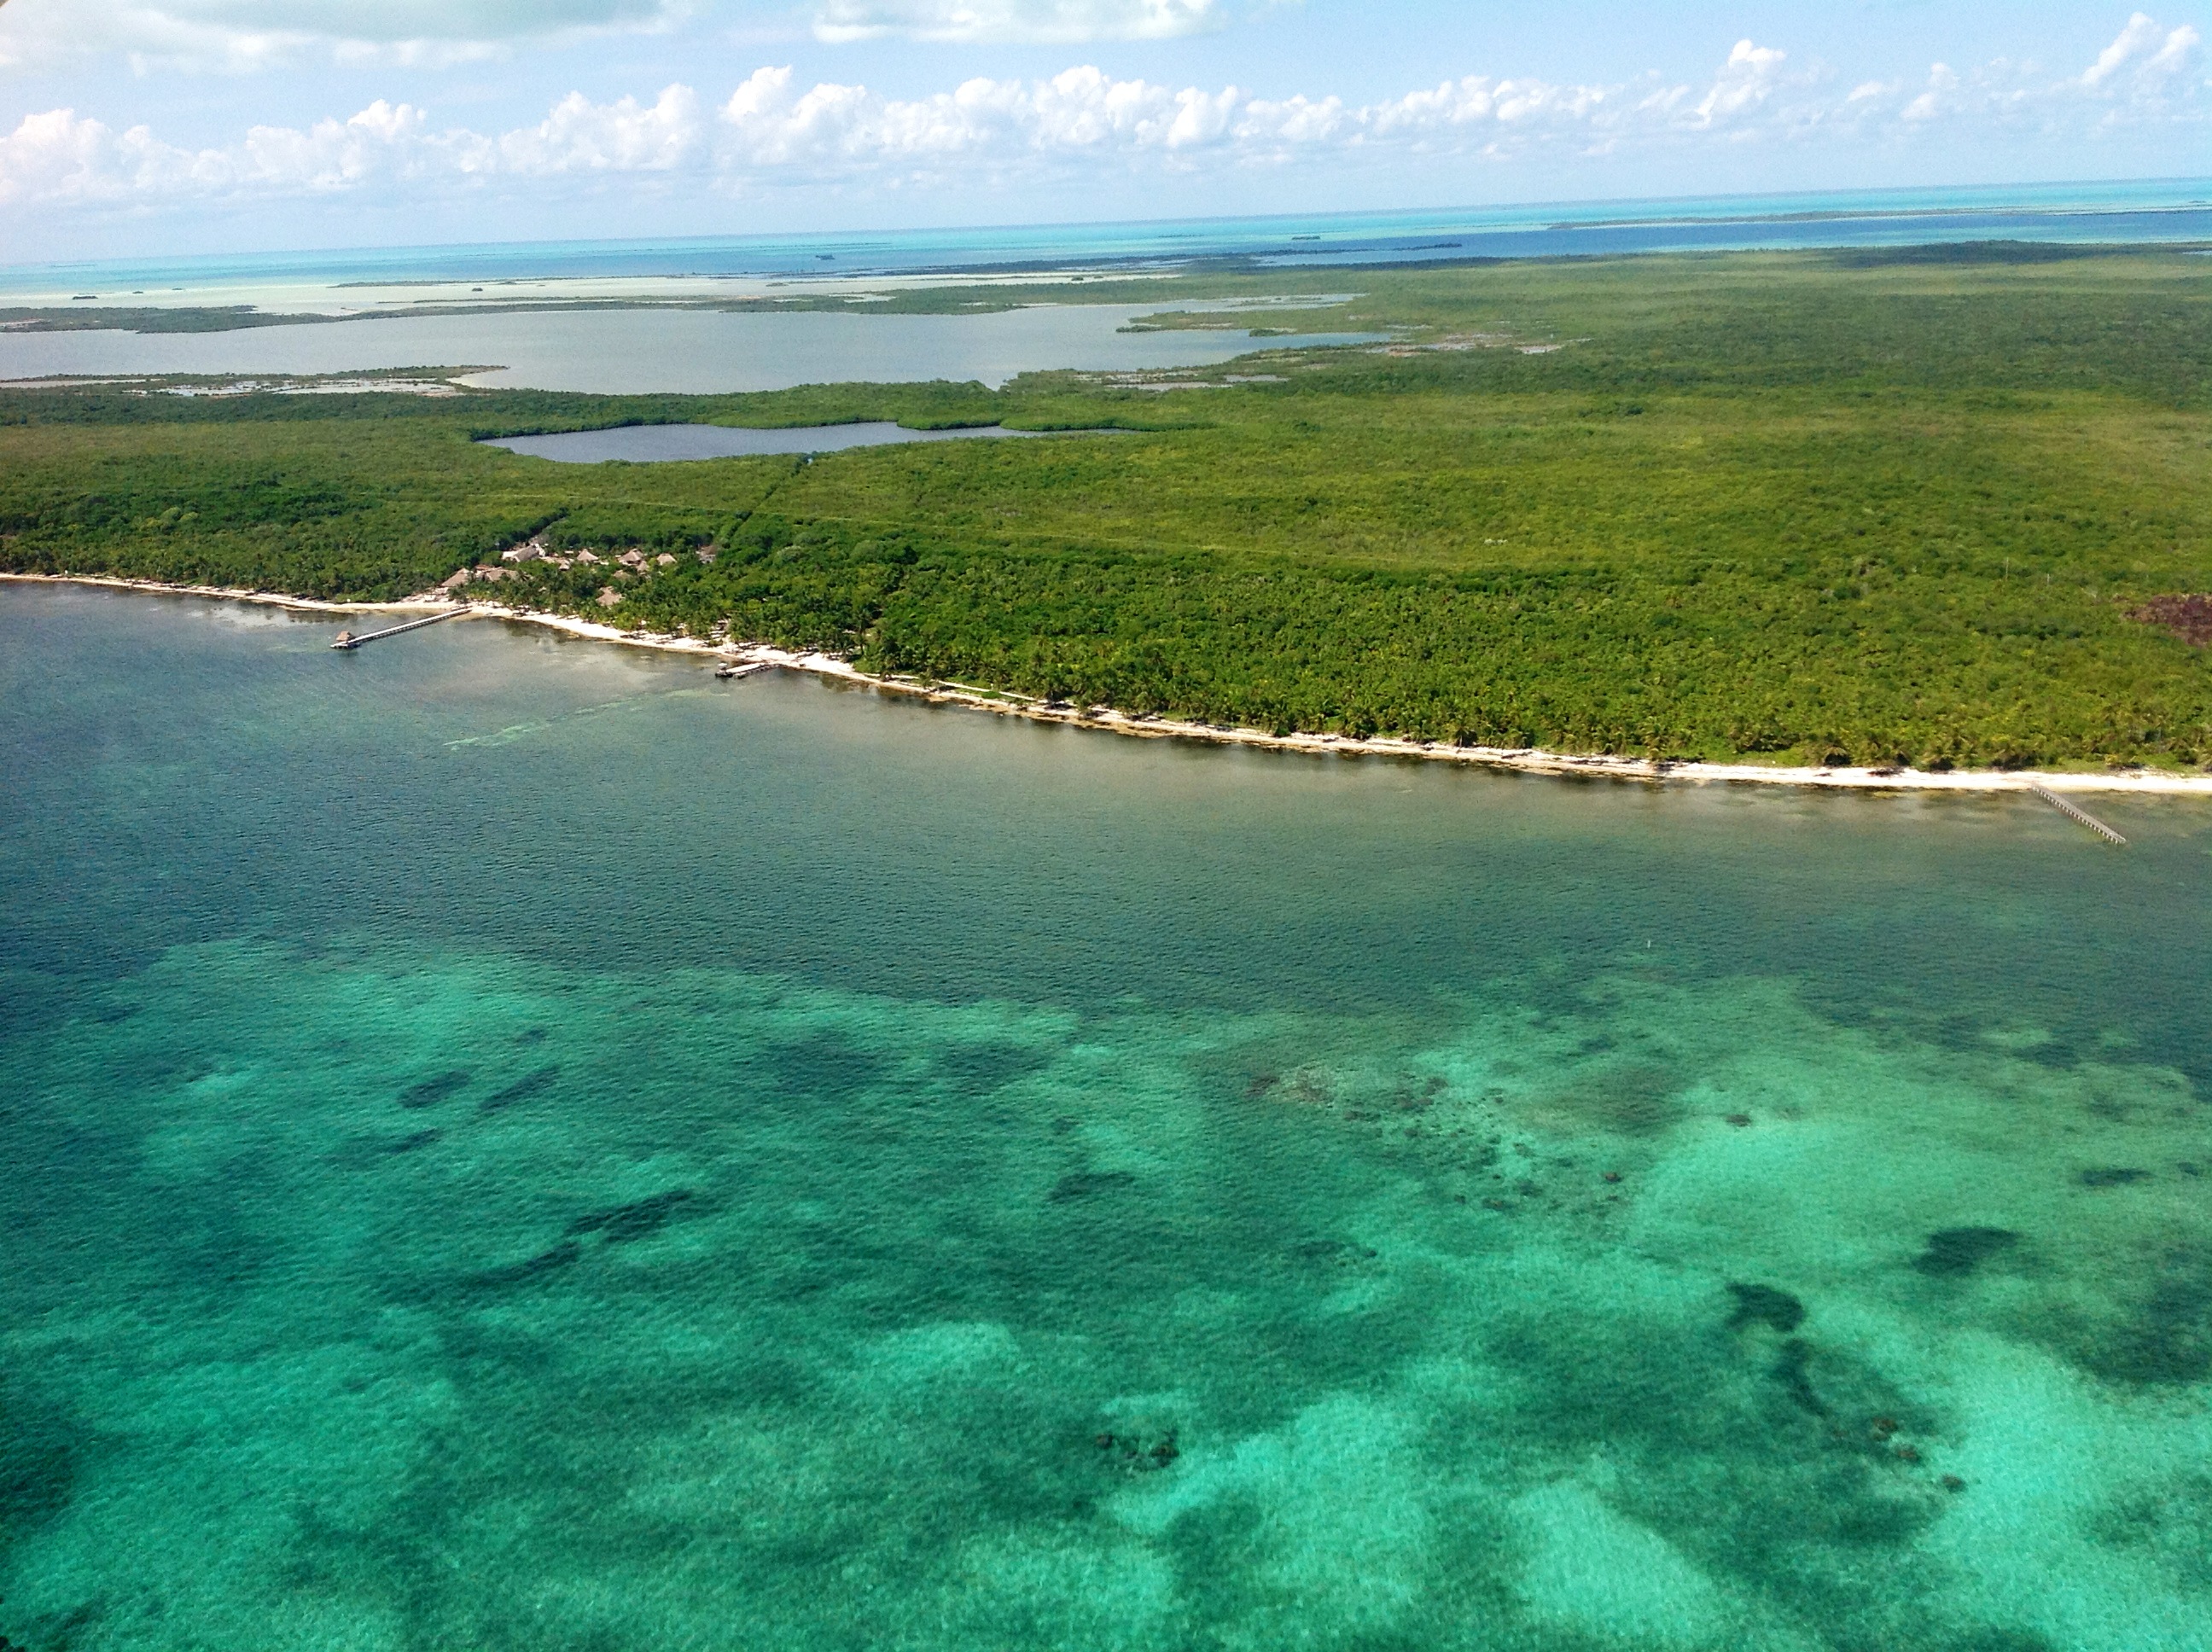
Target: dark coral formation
{"points": [[1083, 1184], [1762, 1304], [1961, 1250], [623, 1223], [428, 1092], [521, 1089]]}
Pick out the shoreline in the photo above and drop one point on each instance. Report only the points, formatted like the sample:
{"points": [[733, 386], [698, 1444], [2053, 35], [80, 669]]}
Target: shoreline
{"points": [[1107, 720]]}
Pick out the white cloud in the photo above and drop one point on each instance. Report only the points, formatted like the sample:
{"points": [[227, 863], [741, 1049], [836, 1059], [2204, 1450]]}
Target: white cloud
{"points": [[255, 34], [252, 34], [1509, 108], [780, 125], [2149, 73], [769, 124], [1510, 115], [774, 130], [581, 135], [1293, 122], [328, 156], [1746, 80], [1942, 83], [1060, 22], [57, 157], [2145, 52]]}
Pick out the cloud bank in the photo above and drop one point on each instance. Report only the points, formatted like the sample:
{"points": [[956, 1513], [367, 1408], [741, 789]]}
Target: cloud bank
{"points": [[254, 35], [247, 35], [771, 131]]}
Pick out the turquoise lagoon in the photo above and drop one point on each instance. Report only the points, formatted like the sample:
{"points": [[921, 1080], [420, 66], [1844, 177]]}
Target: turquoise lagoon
{"points": [[514, 1143]]}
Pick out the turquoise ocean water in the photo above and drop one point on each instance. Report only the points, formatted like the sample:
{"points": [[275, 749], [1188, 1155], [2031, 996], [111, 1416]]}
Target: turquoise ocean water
{"points": [[512, 1144], [2132, 211]]}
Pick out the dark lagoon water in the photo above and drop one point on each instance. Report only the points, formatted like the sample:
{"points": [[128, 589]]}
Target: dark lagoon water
{"points": [[514, 1143], [657, 444]]}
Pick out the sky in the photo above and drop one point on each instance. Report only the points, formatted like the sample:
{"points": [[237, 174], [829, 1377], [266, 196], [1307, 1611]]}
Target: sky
{"points": [[171, 127]]}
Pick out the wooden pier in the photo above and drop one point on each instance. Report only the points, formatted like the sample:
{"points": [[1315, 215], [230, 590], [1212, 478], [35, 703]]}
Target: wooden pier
{"points": [[2080, 815], [348, 640]]}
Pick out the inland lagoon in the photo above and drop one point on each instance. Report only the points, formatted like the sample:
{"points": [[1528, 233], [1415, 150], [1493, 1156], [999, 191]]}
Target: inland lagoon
{"points": [[517, 1145], [621, 351], [665, 444]]}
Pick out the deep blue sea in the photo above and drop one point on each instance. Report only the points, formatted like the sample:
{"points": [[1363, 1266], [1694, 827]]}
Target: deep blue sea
{"points": [[512, 1144]]}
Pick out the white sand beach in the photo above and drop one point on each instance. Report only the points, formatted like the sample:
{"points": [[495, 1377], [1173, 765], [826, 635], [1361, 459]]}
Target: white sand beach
{"points": [[1107, 720]]}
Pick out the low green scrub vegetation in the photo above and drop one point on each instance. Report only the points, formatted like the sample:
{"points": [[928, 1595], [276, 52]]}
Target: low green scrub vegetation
{"points": [[1888, 507]]}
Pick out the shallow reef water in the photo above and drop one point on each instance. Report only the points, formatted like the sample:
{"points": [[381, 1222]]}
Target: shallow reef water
{"points": [[763, 1166]]}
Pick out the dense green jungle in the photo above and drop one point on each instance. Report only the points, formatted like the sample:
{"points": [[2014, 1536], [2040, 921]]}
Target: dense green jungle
{"points": [[1943, 506]]}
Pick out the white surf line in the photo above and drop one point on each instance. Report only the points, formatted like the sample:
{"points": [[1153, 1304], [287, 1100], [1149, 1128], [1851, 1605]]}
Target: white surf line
{"points": [[1524, 759]]}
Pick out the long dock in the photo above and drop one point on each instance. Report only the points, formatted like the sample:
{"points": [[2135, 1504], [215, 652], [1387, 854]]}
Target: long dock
{"points": [[348, 640], [2081, 816]]}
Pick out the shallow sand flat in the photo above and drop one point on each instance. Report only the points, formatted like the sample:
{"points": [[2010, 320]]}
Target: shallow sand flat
{"points": [[653, 1324]]}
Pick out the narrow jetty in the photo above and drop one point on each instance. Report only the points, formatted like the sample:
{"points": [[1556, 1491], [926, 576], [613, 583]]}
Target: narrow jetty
{"points": [[348, 640], [733, 669], [2083, 816]]}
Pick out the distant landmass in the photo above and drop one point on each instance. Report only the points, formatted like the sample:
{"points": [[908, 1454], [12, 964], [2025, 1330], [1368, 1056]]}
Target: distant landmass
{"points": [[1933, 506]]}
